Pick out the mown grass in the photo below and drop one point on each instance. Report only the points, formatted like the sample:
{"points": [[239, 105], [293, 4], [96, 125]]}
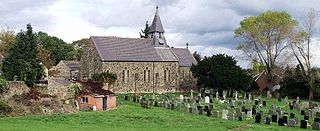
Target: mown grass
{"points": [[130, 116]]}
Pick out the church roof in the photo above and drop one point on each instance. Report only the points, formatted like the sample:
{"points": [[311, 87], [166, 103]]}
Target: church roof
{"points": [[130, 49], [156, 25], [184, 56]]}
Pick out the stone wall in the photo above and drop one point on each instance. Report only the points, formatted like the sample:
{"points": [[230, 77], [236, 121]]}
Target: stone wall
{"points": [[142, 77], [90, 62], [15, 88], [58, 87]]}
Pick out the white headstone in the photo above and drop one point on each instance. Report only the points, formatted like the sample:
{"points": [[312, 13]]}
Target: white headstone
{"points": [[188, 105], [286, 99], [249, 114], [249, 96], [207, 99], [236, 96], [268, 94], [217, 95], [181, 97], [225, 114]]}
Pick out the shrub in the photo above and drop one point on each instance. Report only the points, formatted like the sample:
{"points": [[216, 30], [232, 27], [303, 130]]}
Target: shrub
{"points": [[3, 85], [5, 108]]}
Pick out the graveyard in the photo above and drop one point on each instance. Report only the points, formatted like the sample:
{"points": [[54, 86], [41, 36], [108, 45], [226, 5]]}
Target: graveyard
{"points": [[177, 111]]}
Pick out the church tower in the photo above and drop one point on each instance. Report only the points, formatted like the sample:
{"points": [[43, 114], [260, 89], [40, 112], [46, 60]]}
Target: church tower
{"points": [[156, 32]]}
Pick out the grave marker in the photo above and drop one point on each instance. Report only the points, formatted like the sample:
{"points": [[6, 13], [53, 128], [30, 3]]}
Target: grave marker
{"points": [[316, 126], [292, 123], [274, 118], [303, 124], [258, 118], [268, 120], [280, 122]]}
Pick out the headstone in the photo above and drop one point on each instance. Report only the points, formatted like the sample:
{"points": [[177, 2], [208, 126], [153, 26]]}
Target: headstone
{"points": [[316, 126], [126, 97], [286, 99], [181, 97], [217, 95], [224, 114], [211, 106], [317, 114], [238, 112], [208, 112], [258, 118], [207, 99], [200, 110], [206, 108], [211, 101], [191, 94], [249, 97], [274, 118], [256, 102], [280, 122], [268, 120], [190, 110], [317, 119], [172, 106], [303, 124], [264, 103], [236, 96], [292, 115], [302, 112], [306, 117], [270, 112], [254, 111], [134, 99], [249, 114], [155, 103], [291, 107], [285, 119], [292, 123], [268, 94], [240, 118]]}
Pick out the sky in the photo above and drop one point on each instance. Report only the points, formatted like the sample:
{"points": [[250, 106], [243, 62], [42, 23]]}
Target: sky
{"points": [[207, 25]]}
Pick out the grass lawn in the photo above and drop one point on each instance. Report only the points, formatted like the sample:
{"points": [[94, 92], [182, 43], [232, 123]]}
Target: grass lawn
{"points": [[130, 116]]}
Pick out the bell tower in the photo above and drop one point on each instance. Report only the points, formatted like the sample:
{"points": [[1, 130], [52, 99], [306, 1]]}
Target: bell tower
{"points": [[156, 32]]}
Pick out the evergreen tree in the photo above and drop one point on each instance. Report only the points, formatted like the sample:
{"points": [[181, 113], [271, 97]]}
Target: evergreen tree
{"points": [[22, 63], [145, 32]]}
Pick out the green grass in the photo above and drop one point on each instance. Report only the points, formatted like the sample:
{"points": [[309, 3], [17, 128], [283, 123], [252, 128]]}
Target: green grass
{"points": [[130, 116]]}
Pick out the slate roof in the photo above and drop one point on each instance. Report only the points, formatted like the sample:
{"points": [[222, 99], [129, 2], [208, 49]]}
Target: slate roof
{"points": [[72, 65], [130, 49], [184, 56], [156, 25], [94, 88]]}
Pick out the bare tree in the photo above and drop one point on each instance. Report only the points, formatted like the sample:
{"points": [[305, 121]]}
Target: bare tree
{"points": [[300, 46]]}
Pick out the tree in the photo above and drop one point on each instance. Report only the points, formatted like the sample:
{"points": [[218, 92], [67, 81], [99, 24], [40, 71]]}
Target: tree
{"points": [[197, 56], [3, 85], [7, 38], [44, 56], [266, 36], [220, 71], [59, 50], [145, 33], [105, 77], [300, 46], [22, 63], [78, 46]]}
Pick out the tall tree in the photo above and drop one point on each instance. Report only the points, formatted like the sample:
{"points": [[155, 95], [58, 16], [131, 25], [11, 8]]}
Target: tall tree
{"points": [[79, 46], [220, 71], [22, 62], [197, 56], [145, 33], [7, 38], [300, 46], [59, 49], [266, 36]]}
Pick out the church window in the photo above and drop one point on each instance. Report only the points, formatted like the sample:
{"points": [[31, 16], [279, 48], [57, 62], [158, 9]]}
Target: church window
{"points": [[165, 75], [149, 75], [128, 76], [123, 75], [144, 76], [169, 75]]}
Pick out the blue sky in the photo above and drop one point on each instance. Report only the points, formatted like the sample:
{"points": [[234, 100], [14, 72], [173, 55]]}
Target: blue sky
{"points": [[207, 25]]}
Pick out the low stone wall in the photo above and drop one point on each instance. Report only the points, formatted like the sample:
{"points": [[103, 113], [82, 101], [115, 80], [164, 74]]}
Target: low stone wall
{"points": [[15, 88]]}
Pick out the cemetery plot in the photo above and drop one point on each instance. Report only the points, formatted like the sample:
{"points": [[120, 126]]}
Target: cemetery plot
{"points": [[292, 113]]}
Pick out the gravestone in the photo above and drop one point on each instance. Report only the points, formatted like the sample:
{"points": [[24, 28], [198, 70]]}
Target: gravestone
{"points": [[316, 126], [292, 115], [291, 107], [134, 99], [181, 97], [264, 103], [191, 94], [292, 123], [240, 118], [211, 101], [208, 113], [190, 110], [317, 114], [270, 112], [317, 119], [285, 119], [200, 110], [274, 118], [302, 112], [211, 106], [306, 117], [224, 114], [286, 99], [258, 118], [217, 95], [238, 112], [206, 108], [280, 122], [268, 120], [249, 114], [236, 96], [207, 99], [249, 97], [126, 97], [230, 115], [155, 103], [303, 124], [172, 106], [256, 102], [254, 111]]}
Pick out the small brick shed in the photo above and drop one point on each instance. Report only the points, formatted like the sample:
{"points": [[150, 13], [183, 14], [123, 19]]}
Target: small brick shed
{"points": [[94, 95]]}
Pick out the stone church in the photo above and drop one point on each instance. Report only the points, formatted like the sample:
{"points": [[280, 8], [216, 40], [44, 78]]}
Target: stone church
{"points": [[141, 65]]}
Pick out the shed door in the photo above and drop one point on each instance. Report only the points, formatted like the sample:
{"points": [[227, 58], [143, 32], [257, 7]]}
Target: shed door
{"points": [[104, 103]]}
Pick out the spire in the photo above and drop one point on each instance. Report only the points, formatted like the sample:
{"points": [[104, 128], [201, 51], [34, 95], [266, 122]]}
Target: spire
{"points": [[156, 25]]}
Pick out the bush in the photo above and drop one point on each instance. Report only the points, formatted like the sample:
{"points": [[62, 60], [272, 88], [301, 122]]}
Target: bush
{"points": [[5, 108], [3, 85]]}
